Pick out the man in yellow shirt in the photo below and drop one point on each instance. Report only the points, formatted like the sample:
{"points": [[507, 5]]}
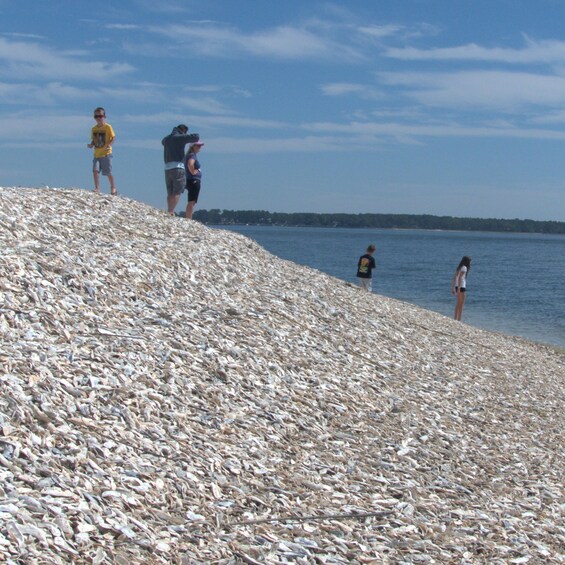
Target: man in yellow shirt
{"points": [[101, 138]]}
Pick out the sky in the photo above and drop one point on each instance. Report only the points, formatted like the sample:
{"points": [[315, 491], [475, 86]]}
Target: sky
{"points": [[447, 107]]}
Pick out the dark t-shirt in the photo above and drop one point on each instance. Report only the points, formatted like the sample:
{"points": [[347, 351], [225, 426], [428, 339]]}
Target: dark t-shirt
{"points": [[174, 144], [189, 175], [365, 265]]}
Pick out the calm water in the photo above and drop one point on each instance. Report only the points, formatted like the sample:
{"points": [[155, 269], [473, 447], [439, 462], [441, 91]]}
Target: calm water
{"points": [[516, 284]]}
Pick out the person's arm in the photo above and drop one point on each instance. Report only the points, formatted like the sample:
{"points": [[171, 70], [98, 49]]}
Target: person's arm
{"points": [[191, 137], [191, 168], [454, 282]]}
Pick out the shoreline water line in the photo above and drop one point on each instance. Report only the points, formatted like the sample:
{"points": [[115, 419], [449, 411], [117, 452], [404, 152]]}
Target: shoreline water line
{"points": [[514, 279]]}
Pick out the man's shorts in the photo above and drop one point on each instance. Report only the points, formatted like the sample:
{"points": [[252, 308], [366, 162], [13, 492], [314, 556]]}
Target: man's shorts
{"points": [[102, 164], [193, 187], [175, 179]]}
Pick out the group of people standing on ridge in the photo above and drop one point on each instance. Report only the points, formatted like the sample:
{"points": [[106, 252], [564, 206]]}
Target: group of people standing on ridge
{"points": [[182, 170], [367, 263]]}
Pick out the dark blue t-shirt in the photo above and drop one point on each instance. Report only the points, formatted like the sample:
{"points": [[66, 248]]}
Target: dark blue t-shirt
{"points": [[365, 266], [189, 175]]}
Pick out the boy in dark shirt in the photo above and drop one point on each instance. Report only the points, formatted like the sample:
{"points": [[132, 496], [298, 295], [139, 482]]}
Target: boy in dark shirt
{"points": [[364, 267]]}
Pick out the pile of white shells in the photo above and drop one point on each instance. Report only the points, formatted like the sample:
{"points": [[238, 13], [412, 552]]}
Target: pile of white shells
{"points": [[172, 393]]}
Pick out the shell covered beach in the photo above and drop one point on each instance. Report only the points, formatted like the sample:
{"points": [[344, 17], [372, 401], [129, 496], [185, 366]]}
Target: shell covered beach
{"points": [[172, 393]]}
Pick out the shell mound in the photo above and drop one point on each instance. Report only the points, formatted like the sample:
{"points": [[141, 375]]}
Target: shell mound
{"points": [[176, 394]]}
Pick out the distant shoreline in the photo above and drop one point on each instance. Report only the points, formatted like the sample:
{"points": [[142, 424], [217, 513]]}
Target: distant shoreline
{"points": [[377, 221]]}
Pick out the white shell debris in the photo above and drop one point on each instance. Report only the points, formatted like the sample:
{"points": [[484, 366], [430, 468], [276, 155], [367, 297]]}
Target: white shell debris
{"points": [[172, 393]]}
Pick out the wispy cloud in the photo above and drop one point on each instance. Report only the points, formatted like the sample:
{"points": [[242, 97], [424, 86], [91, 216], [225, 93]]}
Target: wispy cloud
{"points": [[282, 42], [380, 31], [409, 132], [172, 7], [544, 52], [207, 105], [501, 90], [27, 60], [347, 88], [23, 35], [122, 27], [44, 94], [233, 90], [25, 127]]}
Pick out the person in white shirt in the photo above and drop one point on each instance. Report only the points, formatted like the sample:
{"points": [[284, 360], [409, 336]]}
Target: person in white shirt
{"points": [[459, 284]]}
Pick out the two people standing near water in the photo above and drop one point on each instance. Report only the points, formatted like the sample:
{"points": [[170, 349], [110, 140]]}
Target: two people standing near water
{"points": [[459, 285], [367, 263]]}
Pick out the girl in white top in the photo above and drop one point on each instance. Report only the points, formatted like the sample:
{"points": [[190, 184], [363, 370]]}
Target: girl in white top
{"points": [[459, 284]]}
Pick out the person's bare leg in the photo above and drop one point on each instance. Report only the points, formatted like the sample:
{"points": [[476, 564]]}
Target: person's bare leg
{"points": [[172, 201], [96, 176], [189, 209], [459, 305], [113, 190]]}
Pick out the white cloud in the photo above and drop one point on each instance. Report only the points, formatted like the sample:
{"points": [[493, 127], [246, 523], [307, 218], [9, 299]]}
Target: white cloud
{"points": [[122, 27], [233, 90], [35, 61], [345, 88], [283, 42], [275, 145], [380, 31], [543, 52], [500, 90], [207, 104], [405, 132], [43, 128], [341, 88], [46, 94], [240, 122]]}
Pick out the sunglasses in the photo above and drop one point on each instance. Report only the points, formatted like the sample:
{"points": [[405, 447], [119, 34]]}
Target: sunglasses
{"points": [[98, 116]]}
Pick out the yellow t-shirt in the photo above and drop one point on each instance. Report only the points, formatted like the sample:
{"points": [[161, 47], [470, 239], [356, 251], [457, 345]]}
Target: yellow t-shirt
{"points": [[101, 136]]}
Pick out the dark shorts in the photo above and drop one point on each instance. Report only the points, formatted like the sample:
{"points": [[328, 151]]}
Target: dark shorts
{"points": [[175, 179], [461, 290], [193, 187], [103, 164]]}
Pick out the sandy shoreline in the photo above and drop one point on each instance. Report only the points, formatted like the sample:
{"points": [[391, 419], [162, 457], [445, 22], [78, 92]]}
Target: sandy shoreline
{"points": [[176, 394]]}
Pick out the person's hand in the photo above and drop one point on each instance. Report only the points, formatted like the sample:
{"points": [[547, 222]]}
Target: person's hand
{"points": [[90, 145]]}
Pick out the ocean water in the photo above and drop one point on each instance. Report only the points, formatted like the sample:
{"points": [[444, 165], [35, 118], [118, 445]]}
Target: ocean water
{"points": [[516, 284]]}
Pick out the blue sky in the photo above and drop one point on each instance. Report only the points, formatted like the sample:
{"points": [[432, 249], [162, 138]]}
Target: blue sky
{"points": [[445, 107]]}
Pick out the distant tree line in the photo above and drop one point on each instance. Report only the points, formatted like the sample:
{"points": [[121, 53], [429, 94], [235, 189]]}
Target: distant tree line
{"points": [[398, 221]]}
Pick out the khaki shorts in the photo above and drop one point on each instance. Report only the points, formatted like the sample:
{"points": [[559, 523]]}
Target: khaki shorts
{"points": [[175, 179]]}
